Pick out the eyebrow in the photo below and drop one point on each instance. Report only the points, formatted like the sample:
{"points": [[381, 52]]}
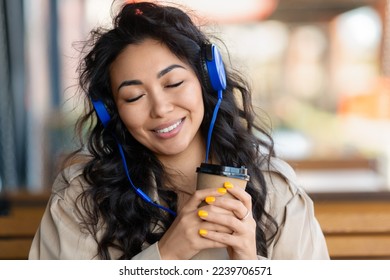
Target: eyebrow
{"points": [[168, 69], [159, 75], [129, 83]]}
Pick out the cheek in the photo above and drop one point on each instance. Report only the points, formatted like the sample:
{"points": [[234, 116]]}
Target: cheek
{"points": [[132, 119], [199, 106], [194, 99]]}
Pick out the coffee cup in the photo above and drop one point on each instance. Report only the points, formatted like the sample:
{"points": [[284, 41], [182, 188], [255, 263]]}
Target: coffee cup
{"points": [[214, 176]]}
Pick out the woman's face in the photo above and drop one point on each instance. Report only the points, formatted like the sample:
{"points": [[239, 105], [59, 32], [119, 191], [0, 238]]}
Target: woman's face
{"points": [[159, 98]]}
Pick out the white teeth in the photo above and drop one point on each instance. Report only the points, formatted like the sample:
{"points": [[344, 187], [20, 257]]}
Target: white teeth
{"points": [[169, 128]]}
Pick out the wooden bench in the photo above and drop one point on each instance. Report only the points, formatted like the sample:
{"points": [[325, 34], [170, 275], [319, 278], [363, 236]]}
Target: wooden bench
{"points": [[356, 226], [17, 229]]}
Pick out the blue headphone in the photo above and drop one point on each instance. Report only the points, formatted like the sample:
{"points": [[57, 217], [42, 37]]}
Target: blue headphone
{"points": [[214, 77]]}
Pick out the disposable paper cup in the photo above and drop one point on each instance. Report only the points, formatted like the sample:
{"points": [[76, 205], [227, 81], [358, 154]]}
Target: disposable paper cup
{"points": [[213, 176]]}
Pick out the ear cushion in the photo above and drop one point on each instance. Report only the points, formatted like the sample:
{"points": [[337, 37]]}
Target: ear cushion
{"points": [[101, 111], [213, 70]]}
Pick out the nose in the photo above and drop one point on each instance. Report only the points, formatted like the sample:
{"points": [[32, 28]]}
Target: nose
{"points": [[160, 104]]}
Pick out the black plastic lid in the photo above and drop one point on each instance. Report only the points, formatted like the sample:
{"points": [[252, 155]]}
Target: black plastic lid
{"points": [[228, 171]]}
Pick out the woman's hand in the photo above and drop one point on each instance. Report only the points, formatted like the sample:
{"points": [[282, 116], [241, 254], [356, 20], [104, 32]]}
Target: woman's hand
{"points": [[241, 241], [182, 240]]}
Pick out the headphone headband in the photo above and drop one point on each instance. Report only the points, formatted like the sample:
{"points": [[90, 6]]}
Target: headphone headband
{"points": [[101, 111]]}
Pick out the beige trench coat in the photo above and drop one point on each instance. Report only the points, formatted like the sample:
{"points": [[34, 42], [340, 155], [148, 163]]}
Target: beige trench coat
{"points": [[60, 235]]}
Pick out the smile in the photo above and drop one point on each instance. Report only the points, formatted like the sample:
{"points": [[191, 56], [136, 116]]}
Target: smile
{"points": [[169, 128]]}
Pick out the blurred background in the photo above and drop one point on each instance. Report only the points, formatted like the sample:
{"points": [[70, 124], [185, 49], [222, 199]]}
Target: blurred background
{"points": [[319, 68]]}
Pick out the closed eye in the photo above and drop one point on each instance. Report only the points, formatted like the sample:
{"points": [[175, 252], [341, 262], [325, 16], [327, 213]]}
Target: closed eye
{"points": [[134, 99], [174, 85]]}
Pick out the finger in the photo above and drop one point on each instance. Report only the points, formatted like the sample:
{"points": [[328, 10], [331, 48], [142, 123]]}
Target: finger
{"points": [[239, 193], [248, 214], [228, 240], [235, 224], [199, 196], [214, 227], [207, 242], [218, 237], [227, 205]]}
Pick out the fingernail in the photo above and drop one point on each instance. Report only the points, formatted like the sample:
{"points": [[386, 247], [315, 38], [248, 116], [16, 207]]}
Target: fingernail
{"points": [[203, 232], [221, 190], [210, 199], [203, 213], [228, 185]]}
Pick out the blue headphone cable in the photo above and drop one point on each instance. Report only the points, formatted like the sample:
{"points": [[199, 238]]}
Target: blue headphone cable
{"points": [[211, 127], [144, 196]]}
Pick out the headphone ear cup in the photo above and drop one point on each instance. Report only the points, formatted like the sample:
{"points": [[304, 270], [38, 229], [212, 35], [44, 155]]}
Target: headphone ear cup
{"points": [[101, 111], [213, 70]]}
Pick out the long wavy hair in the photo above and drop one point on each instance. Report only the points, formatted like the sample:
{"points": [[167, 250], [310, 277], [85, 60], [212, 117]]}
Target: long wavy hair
{"points": [[112, 208]]}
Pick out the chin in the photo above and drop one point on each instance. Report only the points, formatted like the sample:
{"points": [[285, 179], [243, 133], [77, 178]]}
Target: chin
{"points": [[173, 150]]}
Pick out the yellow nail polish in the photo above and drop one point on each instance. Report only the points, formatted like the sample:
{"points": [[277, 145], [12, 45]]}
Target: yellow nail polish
{"points": [[210, 199], [203, 213], [221, 190], [228, 185], [203, 232]]}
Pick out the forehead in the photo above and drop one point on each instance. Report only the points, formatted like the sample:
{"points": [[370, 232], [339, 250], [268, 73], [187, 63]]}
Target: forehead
{"points": [[147, 53]]}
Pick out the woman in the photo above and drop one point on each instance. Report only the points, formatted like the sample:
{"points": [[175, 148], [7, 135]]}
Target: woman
{"points": [[133, 195]]}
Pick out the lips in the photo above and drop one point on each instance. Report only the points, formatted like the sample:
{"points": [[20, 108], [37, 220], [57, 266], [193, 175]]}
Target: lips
{"points": [[168, 128]]}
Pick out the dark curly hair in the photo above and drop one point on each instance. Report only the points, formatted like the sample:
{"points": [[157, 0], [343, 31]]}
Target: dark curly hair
{"points": [[110, 204]]}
